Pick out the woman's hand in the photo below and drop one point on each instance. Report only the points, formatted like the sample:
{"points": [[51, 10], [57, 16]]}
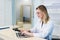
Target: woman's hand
{"points": [[24, 32], [27, 33]]}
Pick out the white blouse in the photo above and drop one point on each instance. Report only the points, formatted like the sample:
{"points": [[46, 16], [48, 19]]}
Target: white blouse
{"points": [[42, 31]]}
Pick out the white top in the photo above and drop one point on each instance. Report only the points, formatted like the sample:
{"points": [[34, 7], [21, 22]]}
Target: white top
{"points": [[43, 31]]}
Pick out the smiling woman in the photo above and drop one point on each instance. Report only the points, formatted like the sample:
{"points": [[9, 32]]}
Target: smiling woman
{"points": [[44, 28]]}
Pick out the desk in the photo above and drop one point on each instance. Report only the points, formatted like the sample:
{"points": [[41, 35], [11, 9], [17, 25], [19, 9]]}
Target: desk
{"points": [[9, 34]]}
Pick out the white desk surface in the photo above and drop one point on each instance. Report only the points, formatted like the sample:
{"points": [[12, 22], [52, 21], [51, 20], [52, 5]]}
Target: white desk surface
{"points": [[9, 34]]}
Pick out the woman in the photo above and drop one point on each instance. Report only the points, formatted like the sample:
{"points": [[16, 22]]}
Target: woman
{"points": [[44, 27]]}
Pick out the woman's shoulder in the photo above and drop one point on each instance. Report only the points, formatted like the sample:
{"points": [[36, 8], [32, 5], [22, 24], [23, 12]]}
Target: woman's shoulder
{"points": [[50, 21]]}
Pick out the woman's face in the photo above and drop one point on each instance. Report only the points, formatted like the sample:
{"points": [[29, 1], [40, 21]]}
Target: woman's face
{"points": [[40, 14]]}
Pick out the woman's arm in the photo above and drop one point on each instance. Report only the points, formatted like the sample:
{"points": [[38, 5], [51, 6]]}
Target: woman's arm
{"points": [[45, 31]]}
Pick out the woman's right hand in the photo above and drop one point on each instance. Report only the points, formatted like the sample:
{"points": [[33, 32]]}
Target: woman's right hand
{"points": [[22, 30]]}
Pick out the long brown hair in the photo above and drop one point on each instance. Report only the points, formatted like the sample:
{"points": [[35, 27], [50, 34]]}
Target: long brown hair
{"points": [[44, 9]]}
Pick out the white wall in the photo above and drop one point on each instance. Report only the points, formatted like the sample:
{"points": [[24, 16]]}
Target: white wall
{"points": [[5, 12]]}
